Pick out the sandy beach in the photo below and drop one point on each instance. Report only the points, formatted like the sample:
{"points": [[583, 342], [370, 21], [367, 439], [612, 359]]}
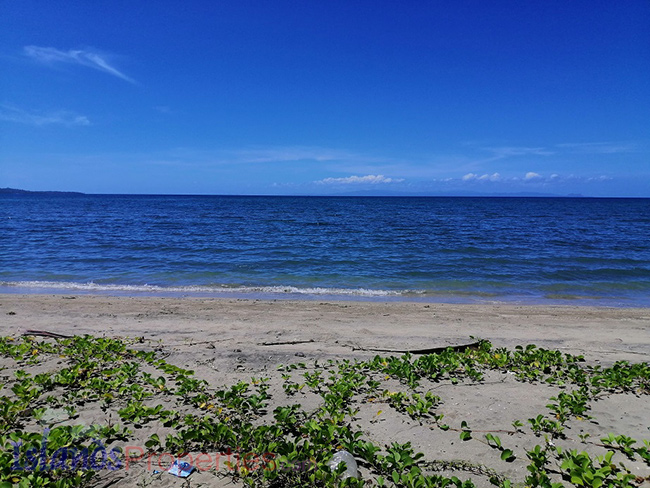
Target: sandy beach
{"points": [[260, 328], [228, 340]]}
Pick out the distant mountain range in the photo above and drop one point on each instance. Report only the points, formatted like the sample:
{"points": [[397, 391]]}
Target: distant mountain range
{"points": [[15, 191]]}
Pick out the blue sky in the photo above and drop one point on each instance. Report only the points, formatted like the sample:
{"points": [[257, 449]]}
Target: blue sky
{"points": [[326, 97]]}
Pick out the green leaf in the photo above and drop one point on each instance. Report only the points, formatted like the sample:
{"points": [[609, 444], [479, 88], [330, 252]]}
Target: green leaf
{"points": [[153, 441], [577, 480], [395, 477], [507, 455]]}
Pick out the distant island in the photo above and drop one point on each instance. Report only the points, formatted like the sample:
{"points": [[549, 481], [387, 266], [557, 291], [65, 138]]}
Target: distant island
{"points": [[473, 194], [15, 191]]}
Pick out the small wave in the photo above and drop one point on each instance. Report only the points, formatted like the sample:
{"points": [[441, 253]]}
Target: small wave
{"points": [[197, 289]]}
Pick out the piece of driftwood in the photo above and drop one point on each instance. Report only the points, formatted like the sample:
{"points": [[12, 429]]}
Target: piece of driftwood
{"points": [[429, 350], [45, 333], [285, 343], [196, 343]]}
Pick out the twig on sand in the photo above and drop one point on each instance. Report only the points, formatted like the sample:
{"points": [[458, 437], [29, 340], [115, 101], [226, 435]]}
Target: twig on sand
{"points": [[192, 343], [45, 333], [285, 343], [429, 350]]}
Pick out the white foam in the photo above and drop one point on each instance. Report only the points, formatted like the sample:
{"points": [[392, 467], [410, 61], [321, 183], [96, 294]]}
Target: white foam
{"points": [[195, 289]]}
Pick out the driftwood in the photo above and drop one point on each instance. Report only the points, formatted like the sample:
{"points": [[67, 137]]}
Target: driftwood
{"points": [[45, 333], [430, 350], [195, 343], [286, 343]]}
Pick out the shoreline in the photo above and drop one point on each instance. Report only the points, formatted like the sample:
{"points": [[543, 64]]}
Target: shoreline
{"points": [[292, 293]]}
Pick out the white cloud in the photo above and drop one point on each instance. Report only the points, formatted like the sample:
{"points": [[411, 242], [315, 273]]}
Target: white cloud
{"points": [[351, 180], [14, 114], [50, 55], [532, 176], [485, 177], [492, 177]]}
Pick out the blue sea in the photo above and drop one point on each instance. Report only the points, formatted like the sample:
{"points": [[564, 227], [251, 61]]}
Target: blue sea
{"points": [[523, 250]]}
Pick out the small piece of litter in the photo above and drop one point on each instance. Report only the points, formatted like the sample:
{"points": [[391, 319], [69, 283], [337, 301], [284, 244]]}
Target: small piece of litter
{"points": [[182, 469]]}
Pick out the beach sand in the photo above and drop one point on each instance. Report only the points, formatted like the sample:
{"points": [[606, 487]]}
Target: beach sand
{"points": [[228, 340]]}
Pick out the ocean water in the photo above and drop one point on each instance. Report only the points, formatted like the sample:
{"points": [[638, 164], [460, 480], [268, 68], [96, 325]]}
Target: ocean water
{"points": [[527, 250]]}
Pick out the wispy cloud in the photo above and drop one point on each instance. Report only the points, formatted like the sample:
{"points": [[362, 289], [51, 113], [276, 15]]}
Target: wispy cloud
{"points": [[14, 114], [528, 178], [478, 157], [263, 156], [355, 180], [298, 153], [503, 152], [512, 151], [598, 147], [94, 60]]}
